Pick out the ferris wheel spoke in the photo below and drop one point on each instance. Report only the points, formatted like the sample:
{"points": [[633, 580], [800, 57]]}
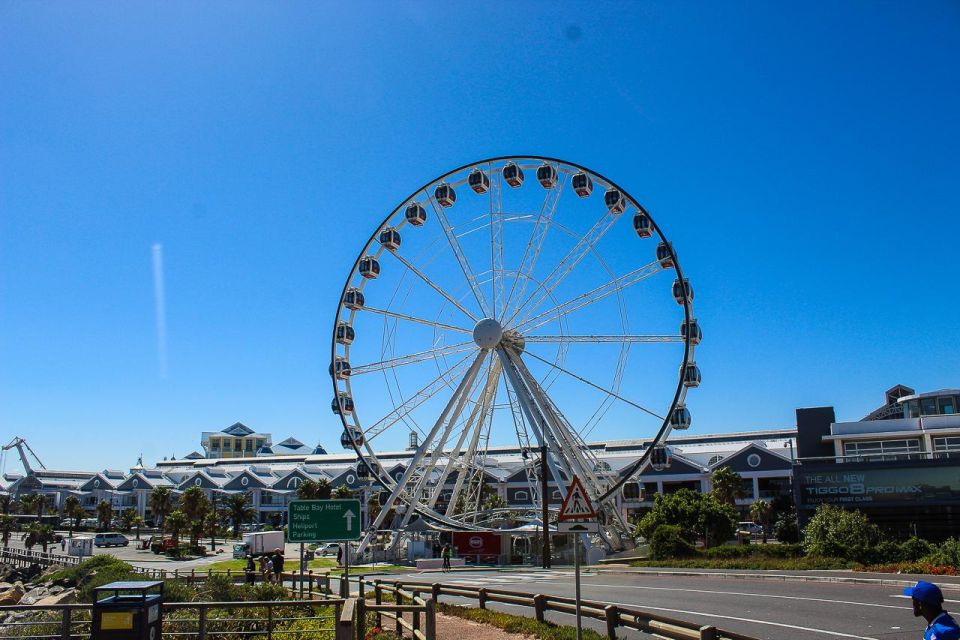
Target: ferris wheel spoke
{"points": [[454, 406], [461, 258], [595, 386], [429, 323], [604, 338], [433, 285], [496, 239], [415, 400], [568, 263], [532, 251], [412, 358], [591, 297]]}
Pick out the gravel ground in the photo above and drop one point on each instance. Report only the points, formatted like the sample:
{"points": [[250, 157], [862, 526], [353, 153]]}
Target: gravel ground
{"points": [[453, 628]]}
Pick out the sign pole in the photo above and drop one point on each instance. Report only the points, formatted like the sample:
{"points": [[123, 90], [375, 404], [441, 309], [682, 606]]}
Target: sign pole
{"points": [[576, 565], [346, 570], [303, 566]]}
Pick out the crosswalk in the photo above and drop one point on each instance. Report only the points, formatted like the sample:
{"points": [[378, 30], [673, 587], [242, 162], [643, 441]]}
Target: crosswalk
{"points": [[500, 579]]}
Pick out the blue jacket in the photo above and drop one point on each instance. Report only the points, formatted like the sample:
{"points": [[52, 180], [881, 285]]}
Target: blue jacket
{"points": [[943, 627]]}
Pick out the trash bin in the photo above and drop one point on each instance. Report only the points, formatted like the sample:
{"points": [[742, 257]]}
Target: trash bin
{"points": [[129, 610]]}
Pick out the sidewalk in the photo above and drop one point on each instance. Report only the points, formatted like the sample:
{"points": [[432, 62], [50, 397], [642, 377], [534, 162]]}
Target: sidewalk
{"points": [[853, 577]]}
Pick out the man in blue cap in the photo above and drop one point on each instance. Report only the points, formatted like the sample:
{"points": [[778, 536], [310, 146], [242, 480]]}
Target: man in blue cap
{"points": [[928, 602]]}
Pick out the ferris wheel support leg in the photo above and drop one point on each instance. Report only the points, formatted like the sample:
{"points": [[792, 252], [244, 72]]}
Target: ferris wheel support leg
{"points": [[533, 413], [460, 393]]}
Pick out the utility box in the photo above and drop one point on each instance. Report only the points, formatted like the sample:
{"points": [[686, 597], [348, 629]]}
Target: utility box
{"points": [[130, 610]]}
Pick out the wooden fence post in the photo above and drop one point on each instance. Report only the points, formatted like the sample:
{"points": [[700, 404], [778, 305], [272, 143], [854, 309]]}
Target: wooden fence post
{"points": [[430, 623], [709, 633], [310, 581], [482, 598], [378, 599], [398, 596], [613, 620], [269, 622], [435, 591], [345, 623], [539, 606], [361, 618]]}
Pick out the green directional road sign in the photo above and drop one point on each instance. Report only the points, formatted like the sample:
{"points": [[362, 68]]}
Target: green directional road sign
{"points": [[323, 520]]}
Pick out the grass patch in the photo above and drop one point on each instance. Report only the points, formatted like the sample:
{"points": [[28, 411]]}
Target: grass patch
{"points": [[760, 563], [517, 624], [290, 563]]}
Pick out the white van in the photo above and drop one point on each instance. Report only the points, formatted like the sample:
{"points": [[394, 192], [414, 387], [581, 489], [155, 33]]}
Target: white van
{"points": [[110, 539]]}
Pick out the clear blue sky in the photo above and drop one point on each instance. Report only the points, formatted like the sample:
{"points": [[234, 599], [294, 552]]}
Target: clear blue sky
{"points": [[804, 160]]}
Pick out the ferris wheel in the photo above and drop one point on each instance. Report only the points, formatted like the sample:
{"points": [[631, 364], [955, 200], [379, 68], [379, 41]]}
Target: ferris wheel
{"points": [[500, 318]]}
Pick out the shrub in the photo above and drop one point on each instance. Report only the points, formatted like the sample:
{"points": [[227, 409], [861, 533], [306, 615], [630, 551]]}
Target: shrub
{"points": [[730, 552], [915, 548], [785, 528], [668, 541], [841, 533], [694, 513], [889, 551]]}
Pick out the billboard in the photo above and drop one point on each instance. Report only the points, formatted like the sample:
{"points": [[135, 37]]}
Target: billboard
{"points": [[860, 485], [477, 543]]}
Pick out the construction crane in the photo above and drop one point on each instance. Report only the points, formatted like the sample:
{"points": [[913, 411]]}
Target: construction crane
{"points": [[19, 443]]}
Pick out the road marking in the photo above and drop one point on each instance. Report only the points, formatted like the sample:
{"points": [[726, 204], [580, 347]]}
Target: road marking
{"points": [[767, 622], [909, 598], [755, 595]]}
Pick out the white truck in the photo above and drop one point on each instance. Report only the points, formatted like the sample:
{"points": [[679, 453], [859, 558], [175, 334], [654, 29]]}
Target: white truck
{"points": [[258, 543]]}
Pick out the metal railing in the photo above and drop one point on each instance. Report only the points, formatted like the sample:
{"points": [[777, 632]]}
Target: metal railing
{"points": [[25, 558], [614, 616], [264, 619]]}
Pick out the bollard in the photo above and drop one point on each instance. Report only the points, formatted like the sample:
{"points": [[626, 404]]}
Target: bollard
{"points": [[482, 598], [613, 620], [539, 606]]}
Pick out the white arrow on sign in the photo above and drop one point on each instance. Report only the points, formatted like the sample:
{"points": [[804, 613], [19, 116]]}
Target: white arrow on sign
{"points": [[349, 515]]}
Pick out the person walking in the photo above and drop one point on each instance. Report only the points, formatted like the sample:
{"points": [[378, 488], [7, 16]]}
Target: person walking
{"points": [[277, 561], [339, 555], [251, 570], [928, 604], [63, 545], [445, 554], [266, 568]]}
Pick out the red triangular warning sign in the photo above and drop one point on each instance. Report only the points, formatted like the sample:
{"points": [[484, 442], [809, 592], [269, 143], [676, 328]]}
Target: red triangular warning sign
{"points": [[576, 505]]}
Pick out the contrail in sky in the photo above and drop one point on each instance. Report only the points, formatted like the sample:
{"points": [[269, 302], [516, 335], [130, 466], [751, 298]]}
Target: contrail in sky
{"points": [[160, 308]]}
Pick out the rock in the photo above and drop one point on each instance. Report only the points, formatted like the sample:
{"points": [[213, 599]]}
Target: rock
{"points": [[28, 600], [55, 589], [5, 585], [12, 596], [67, 595]]}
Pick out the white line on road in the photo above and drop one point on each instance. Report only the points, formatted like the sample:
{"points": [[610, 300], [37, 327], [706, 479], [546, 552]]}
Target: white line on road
{"points": [[767, 622], [754, 595], [909, 598]]}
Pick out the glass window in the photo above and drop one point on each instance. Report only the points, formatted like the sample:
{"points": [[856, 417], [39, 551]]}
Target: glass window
{"points": [[947, 407], [249, 446], [521, 495], [631, 491], [912, 409], [928, 407], [884, 449]]}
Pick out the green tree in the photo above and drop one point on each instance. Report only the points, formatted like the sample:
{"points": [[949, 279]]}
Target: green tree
{"points": [[6, 503], [195, 505], [41, 505], [73, 512], [27, 502], [314, 490], [785, 528], [239, 511], [760, 512], [727, 485], [161, 503], [695, 513], [127, 516], [373, 508], [175, 523], [41, 534], [104, 515], [211, 527], [841, 533], [138, 522], [343, 492], [7, 525]]}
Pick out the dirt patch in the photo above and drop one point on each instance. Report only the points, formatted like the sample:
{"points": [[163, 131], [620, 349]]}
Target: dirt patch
{"points": [[453, 628]]}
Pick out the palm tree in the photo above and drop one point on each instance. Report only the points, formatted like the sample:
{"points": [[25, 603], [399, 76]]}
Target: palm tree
{"points": [[7, 525], [104, 515], [161, 503], [195, 505], [73, 511], [174, 523], [727, 485], [41, 534], [127, 517], [28, 502], [41, 505], [314, 490], [240, 511], [343, 492], [137, 523], [211, 526], [760, 512]]}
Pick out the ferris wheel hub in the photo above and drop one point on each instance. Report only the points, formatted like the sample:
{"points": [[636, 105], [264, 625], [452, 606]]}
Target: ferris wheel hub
{"points": [[487, 333]]}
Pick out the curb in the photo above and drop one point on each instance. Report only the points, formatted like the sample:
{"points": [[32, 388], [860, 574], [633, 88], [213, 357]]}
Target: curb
{"points": [[780, 577]]}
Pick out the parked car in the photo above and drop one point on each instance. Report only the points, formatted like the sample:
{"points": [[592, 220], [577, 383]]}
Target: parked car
{"points": [[329, 549], [89, 523], [110, 540], [251, 526], [751, 527]]}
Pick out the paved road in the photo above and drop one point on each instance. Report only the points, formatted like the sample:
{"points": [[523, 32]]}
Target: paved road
{"points": [[764, 609]]}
